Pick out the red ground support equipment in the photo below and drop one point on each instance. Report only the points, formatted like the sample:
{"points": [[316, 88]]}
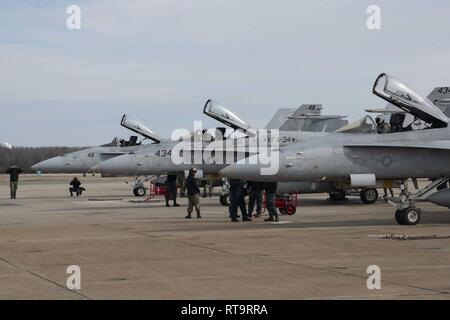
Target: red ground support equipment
{"points": [[156, 191], [286, 204]]}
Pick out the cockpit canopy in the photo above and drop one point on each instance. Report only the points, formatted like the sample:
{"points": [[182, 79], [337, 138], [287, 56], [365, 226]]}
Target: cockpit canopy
{"points": [[401, 95], [139, 128], [363, 125], [222, 114]]}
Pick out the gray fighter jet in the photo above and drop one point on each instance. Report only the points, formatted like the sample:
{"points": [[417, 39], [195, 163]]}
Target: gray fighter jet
{"points": [[82, 161], [357, 156]]}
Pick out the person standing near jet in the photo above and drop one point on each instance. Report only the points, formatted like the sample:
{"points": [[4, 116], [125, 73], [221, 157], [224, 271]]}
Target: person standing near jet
{"points": [[256, 190], [237, 199], [193, 192], [171, 185], [14, 171], [271, 189]]}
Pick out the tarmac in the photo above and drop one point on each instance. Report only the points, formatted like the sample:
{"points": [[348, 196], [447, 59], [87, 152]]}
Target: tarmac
{"points": [[130, 249]]}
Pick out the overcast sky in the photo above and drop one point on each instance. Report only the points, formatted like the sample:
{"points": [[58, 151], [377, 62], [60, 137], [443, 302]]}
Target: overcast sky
{"points": [[160, 60]]}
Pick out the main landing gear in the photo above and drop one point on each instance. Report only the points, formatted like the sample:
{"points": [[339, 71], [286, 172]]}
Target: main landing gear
{"points": [[407, 213], [369, 196]]}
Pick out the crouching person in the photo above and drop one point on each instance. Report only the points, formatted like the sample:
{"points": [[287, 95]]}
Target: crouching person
{"points": [[193, 193], [75, 186]]}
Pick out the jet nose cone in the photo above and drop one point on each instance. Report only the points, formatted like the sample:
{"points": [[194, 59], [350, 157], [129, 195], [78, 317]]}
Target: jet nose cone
{"points": [[50, 165], [252, 169], [241, 171], [117, 165], [97, 168]]}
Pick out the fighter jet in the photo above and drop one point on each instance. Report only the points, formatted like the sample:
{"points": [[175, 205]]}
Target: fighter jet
{"points": [[82, 161], [357, 156]]}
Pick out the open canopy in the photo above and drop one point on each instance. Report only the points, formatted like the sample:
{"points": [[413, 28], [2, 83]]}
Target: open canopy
{"points": [[139, 128], [222, 114], [404, 97]]}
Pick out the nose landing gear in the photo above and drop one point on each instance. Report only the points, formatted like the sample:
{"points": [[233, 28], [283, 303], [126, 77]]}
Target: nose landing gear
{"points": [[407, 213]]}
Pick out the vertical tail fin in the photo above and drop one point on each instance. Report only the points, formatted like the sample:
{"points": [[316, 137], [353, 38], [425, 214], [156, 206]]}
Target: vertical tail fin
{"points": [[440, 96], [309, 118]]}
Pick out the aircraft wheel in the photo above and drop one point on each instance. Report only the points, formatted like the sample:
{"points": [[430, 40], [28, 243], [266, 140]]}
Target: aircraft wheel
{"points": [[224, 200], [369, 196], [139, 191], [411, 216], [337, 195], [399, 217]]}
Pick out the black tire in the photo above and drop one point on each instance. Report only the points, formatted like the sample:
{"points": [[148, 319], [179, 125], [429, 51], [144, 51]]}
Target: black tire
{"points": [[139, 191], [224, 200], [411, 216], [338, 195], [399, 217], [369, 196]]}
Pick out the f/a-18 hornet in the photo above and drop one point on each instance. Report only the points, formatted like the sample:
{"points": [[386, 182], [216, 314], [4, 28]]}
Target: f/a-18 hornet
{"points": [[359, 157]]}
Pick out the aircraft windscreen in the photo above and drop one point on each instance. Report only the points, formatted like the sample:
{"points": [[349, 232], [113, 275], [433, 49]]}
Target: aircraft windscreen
{"points": [[404, 97], [363, 125], [222, 114]]}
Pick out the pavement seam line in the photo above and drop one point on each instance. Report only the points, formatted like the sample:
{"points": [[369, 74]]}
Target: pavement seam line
{"points": [[44, 278]]}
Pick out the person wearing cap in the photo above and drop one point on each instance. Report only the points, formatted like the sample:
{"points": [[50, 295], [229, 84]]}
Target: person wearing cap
{"points": [[193, 193], [382, 126], [13, 172]]}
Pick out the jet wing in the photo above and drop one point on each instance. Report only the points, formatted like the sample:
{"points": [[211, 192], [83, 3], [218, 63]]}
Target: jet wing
{"points": [[139, 128], [401, 95], [436, 145]]}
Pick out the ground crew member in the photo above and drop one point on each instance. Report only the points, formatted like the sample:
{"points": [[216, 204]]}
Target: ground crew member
{"points": [[382, 126], [256, 190], [208, 188], [193, 192], [75, 186], [13, 172], [237, 199], [271, 189], [171, 193]]}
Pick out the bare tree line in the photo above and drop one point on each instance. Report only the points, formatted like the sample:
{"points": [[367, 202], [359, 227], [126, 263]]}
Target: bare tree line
{"points": [[25, 157]]}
